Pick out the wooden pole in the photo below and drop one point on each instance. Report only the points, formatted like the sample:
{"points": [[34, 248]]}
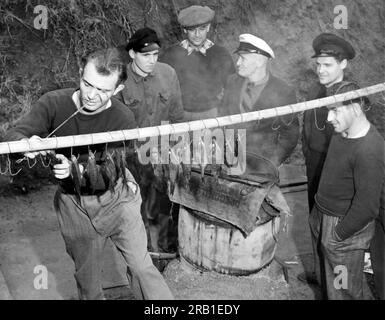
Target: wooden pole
{"points": [[27, 145]]}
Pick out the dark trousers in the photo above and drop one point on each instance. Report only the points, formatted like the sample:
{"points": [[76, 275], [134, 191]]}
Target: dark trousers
{"points": [[377, 254], [341, 263], [85, 227], [314, 162]]}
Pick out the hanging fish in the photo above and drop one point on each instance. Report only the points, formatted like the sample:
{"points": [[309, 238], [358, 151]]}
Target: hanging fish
{"points": [[216, 168], [120, 164], [174, 170], [186, 168], [123, 164], [202, 158], [76, 175], [92, 170], [109, 172]]}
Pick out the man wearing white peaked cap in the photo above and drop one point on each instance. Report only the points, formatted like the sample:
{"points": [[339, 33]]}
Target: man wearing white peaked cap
{"points": [[248, 42], [255, 88]]}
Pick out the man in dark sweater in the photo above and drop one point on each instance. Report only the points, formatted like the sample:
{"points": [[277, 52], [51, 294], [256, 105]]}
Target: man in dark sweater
{"points": [[202, 66], [255, 88], [93, 203], [332, 54], [348, 198]]}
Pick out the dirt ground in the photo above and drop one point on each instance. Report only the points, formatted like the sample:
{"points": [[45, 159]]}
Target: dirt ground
{"points": [[30, 236]]}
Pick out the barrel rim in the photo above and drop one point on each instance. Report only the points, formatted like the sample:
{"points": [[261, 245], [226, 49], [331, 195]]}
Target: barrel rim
{"points": [[228, 271]]}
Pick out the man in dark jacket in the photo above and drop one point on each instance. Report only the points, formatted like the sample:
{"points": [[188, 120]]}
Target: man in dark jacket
{"points": [[255, 88], [152, 93], [332, 54]]}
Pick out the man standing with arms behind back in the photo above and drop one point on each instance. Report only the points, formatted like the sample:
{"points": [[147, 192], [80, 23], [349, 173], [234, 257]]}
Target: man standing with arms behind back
{"points": [[202, 66], [332, 54]]}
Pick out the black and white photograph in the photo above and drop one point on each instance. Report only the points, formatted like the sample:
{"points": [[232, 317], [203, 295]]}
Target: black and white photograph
{"points": [[212, 152]]}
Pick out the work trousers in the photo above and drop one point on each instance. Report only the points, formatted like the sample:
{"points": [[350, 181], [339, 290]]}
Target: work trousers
{"points": [[341, 263], [85, 227], [377, 254]]}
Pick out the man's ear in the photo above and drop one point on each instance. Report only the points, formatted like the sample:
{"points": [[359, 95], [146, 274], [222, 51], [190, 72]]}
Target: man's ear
{"points": [[357, 109], [119, 88], [81, 72], [184, 30], [208, 27], [344, 64], [132, 54]]}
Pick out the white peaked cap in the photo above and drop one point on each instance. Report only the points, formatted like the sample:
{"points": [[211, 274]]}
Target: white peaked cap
{"points": [[251, 42]]}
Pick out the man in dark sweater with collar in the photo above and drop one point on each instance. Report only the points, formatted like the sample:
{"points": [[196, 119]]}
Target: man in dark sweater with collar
{"points": [[93, 203], [348, 198], [202, 66], [332, 54], [255, 88]]}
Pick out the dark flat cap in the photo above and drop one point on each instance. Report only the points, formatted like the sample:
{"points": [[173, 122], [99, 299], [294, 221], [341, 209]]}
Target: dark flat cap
{"points": [[144, 40], [330, 45], [195, 16]]}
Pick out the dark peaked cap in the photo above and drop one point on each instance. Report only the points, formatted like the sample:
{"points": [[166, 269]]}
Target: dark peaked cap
{"points": [[330, 45], [144, 40]]}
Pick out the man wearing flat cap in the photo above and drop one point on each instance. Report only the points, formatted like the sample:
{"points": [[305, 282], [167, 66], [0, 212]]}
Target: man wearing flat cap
{"points": [[201, 65], [347, 202], [332, 54], [152, 93], [255, 88]]}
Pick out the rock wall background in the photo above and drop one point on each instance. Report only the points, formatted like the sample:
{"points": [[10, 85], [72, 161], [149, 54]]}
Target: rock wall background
{"points": [[33, 61]]}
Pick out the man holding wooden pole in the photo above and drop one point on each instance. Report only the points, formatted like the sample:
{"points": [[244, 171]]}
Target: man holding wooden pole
{"points": [[97, 198]]}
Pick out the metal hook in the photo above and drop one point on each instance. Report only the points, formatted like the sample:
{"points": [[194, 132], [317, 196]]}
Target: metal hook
{"points": [[10, 168], [316, 121], [42, 161], [34, 162], [18, 161], [292, 117], [275, 120]]}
